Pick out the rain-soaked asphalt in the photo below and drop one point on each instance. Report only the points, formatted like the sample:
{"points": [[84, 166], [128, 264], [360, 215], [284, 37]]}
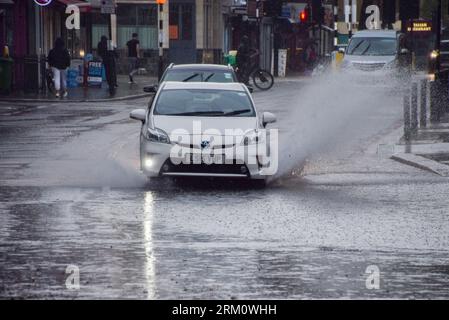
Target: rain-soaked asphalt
{"points": [[71, 195]]}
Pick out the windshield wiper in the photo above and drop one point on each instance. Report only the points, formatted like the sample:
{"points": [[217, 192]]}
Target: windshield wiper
{"points": [[236, 112], [366, 50], [198, 113], [208, 77], [357, 46], [191, 77], [211, 113]]}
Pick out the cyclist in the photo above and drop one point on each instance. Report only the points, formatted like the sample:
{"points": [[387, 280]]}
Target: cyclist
{"points": [[244, 57]]}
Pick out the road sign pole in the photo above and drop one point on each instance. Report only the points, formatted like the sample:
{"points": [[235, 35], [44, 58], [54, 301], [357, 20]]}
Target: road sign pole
{"points": [[108, 8]]}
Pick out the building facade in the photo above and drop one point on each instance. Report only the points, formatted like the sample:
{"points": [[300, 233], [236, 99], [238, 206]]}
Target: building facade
{"points": [[194, 31]]}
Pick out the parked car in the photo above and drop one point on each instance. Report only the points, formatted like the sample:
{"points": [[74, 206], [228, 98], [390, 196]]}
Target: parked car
{"points": [[227, 108]]}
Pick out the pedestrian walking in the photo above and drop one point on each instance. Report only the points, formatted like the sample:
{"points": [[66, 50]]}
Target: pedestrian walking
{"points": [[108, 58], [133, 56], [59, 60], [311, 57]]}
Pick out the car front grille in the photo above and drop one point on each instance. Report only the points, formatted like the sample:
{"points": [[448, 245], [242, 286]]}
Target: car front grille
{"points": [[222, 169], [368, 66]]}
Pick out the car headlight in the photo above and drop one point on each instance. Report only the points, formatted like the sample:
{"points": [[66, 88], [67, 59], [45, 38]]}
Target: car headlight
{"points": [[157, 135], [252, 137], [434, 54]]}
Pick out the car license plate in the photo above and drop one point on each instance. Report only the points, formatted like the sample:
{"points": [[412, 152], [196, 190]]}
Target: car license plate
{"points": [[204, 158]]}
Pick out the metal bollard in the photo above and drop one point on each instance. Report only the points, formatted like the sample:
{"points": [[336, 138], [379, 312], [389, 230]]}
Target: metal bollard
{"points": [[414, 109], [444, 87], [435, 102], [407, 126], [423, 105]]}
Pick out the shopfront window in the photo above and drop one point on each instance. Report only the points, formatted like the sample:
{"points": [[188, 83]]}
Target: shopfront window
{"points": [[140, 19], [187, 22], [76, 40], [100, 27], [131, 18], [181, 22]]}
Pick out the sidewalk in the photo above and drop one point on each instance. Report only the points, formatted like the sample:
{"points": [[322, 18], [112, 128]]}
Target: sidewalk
{"points": [[125, 91], [293, 76], [428, 149]]}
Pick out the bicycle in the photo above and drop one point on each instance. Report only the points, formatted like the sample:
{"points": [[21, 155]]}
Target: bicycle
{"points": [[261, 78]]}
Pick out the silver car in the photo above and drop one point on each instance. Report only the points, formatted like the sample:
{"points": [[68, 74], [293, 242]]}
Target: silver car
{"points": [[207, 130], [375, 54]]}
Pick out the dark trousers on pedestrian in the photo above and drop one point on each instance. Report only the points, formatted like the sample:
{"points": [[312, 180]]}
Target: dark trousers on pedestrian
{"points": [[133, 65], [243, 74], [111, 75]]}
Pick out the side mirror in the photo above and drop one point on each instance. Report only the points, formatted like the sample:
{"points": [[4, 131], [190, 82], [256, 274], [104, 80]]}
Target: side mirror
{"points": [[404, 51], [138, 114], [150, 89], [268, 117]]}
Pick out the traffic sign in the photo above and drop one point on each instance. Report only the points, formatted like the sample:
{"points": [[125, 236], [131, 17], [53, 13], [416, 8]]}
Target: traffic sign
{"points": [[108, 6]]}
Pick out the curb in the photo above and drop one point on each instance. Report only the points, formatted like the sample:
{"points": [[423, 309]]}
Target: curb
{"points": [[131, 97], [422, 163], [287, 79]]}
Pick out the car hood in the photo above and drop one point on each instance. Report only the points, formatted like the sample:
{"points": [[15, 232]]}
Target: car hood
{"points": [[217, 124]]}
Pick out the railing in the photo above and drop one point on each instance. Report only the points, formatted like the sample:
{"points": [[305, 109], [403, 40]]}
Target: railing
{"points": [[425, 102], [29, 73]]}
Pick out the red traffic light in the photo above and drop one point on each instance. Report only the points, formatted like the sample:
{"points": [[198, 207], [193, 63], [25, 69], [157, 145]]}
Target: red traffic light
{"points": [[160, 1], [303, 16]]}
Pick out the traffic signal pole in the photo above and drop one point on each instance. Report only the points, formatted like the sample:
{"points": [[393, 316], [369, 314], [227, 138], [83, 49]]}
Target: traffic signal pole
{"points": [[160, 4]]}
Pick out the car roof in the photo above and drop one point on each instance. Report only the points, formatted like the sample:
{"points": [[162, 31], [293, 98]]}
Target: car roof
{"points": [[199, 66], [376, 34], [232, 86]]}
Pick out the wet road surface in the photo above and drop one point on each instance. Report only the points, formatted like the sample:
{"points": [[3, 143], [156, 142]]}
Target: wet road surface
{"points": [[71, 194]]}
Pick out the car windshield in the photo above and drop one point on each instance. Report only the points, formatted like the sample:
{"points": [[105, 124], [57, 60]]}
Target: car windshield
{"points": [[220, 76], [206, 103], [372, 47]]}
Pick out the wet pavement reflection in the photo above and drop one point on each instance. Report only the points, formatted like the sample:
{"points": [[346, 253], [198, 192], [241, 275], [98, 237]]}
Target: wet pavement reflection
{"points": [[309, 241]]}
